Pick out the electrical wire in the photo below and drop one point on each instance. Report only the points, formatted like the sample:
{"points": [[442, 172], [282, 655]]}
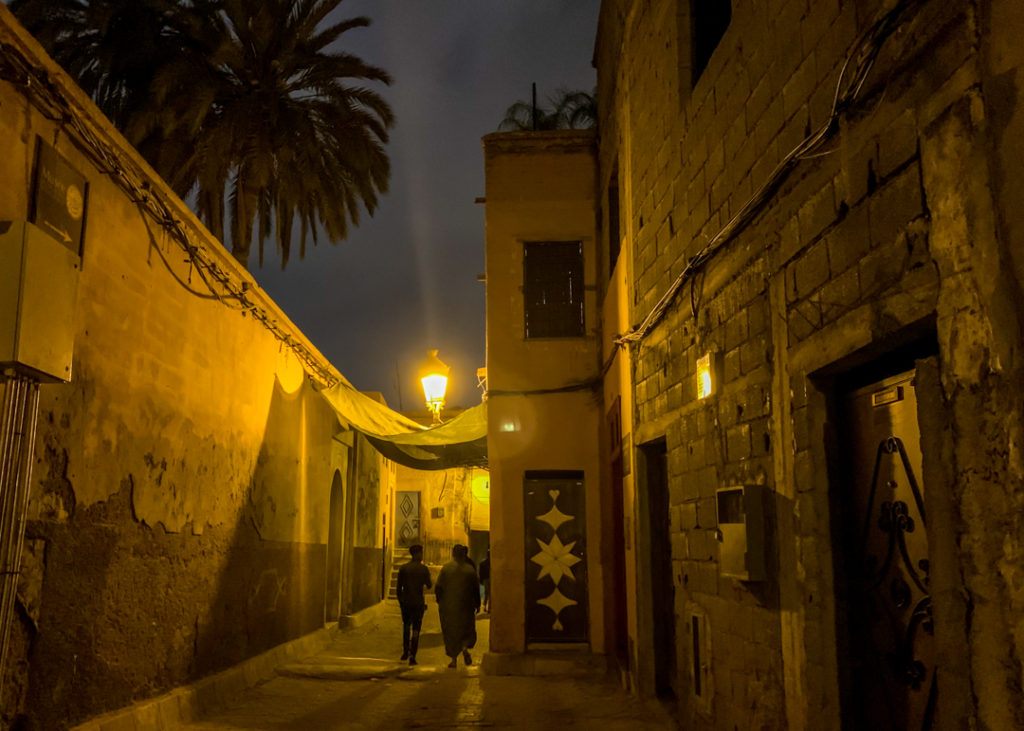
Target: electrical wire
{"points": [[864, 51], [591, 384], [49, 97]]}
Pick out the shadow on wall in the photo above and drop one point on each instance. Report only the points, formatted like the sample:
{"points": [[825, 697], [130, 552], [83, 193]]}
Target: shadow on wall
{"points": [[129, 610], [271, 590], [366, 574]]}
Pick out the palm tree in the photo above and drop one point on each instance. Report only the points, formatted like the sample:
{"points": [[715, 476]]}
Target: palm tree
{"points": [[242, 106], [112, 48], [566, 110]]}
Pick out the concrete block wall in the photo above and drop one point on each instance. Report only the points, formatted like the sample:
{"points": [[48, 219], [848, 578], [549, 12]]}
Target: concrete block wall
{"points": [[891, 232]]}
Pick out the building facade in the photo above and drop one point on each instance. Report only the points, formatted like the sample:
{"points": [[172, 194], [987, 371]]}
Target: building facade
{"points": [[194, 501], [543, 408], [815, 200], [799, 370]]}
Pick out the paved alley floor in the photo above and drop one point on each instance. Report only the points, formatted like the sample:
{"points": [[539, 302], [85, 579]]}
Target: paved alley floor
{"points": [[357, 682]]}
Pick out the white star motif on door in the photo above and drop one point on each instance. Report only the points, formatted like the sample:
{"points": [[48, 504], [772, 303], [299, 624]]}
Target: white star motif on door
{"points": [[556, 602], [555, 560], [554, 517]]}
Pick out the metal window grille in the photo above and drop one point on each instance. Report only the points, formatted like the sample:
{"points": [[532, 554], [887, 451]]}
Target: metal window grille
{"points": [[553, 289]]}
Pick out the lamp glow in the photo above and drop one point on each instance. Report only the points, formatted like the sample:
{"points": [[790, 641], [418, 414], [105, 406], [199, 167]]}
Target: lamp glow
{"points": [[705, 382], [434, 377]]}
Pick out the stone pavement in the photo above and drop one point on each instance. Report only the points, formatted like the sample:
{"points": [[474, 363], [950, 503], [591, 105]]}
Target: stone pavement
{"points": [[357, 682]]}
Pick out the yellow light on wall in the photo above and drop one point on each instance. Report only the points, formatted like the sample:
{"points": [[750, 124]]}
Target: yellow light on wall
{"points": [[705, 376], [434, 377], [481, 486]]}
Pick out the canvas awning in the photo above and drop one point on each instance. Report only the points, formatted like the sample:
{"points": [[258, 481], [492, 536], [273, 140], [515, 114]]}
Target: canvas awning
{"points": [[459, 442]]}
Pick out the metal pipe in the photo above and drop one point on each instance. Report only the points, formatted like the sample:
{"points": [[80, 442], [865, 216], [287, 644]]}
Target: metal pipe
{"points": [[6, 427], [18, 426], [8, 488], [7, 464], [7, 458], [12, 529]]}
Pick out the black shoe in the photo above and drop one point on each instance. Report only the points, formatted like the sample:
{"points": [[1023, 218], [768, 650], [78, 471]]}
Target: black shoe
{"points": [[466, 657], [412, 661], [405, 655], [452, 663]]}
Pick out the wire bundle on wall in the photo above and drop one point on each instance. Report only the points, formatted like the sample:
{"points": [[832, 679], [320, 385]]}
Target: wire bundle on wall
{"points": [[852, 76], [51, 100]]}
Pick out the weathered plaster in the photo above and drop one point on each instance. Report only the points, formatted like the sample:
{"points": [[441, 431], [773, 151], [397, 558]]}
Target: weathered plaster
{"points": [[181, 492]]}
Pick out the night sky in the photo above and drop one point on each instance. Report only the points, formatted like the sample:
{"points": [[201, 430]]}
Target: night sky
{"points": [[406, 279]]}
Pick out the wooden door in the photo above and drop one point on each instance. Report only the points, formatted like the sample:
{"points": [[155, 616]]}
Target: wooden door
{"points": [[556, 566], [888, 662]]}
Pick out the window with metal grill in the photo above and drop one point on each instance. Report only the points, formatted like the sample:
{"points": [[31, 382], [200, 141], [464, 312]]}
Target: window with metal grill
{"points": [[553, 289]]}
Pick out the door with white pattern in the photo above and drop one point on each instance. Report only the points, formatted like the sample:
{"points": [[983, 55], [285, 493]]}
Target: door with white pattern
{"points": [[554, 505], [407, 518]]}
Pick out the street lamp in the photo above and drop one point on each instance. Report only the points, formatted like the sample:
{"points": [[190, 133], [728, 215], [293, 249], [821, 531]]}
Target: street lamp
{"points": [[434, 377]]}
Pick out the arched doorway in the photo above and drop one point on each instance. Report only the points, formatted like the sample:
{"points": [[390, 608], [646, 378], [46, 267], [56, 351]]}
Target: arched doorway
{"points": [[334, 544]]}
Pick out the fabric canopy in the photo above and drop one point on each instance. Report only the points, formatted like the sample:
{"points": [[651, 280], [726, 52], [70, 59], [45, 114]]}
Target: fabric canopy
{"points": [[460, 442]]}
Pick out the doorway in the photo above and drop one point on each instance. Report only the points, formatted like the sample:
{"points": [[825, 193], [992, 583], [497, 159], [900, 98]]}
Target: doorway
{"points": [[883, 606], [334, 542], [554, 505], [659, 550], [617, 632], [407, 518], [619, 623]]}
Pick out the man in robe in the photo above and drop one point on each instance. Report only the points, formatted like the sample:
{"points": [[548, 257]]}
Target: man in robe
{"points": [[458, 601], [412, 578]]}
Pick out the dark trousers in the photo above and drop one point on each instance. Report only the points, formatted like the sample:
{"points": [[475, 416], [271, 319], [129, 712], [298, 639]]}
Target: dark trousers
{"points": [[412, 619]]}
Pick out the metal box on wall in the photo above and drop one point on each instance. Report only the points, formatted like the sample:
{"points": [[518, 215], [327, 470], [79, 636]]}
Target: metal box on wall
{"points": [[38, 292], [740, 511]]}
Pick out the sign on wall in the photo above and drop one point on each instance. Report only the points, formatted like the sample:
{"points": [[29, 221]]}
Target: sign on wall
{"points": [[58, 197]]}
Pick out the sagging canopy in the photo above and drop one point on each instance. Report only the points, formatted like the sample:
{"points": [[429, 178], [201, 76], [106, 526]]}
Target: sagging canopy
{"points": [[460, 442]]}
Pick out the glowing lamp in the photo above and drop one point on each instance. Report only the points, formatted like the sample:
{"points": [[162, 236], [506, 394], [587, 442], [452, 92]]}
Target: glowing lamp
{"points": [[706, 376], [434, 377]]}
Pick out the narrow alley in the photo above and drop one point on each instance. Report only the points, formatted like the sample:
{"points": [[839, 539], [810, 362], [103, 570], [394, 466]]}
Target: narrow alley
{"points": [[357, 682], [729, 423]]}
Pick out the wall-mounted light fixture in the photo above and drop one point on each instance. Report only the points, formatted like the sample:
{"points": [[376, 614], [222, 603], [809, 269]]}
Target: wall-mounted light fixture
{"points": [[707, 375]]}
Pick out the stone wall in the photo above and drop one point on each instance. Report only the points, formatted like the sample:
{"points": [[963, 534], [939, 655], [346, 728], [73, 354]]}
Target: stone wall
{"points": [[896, 239], [180, 498]]}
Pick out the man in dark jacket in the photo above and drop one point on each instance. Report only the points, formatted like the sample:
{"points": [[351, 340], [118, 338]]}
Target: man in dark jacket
{"points": [[458, 601], [412, 578], [485, 578]]}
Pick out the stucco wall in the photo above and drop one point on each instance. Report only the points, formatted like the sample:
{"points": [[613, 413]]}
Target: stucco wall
{"points": [[540, 187], [905, 227], [180, 498], [450, 490]]}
